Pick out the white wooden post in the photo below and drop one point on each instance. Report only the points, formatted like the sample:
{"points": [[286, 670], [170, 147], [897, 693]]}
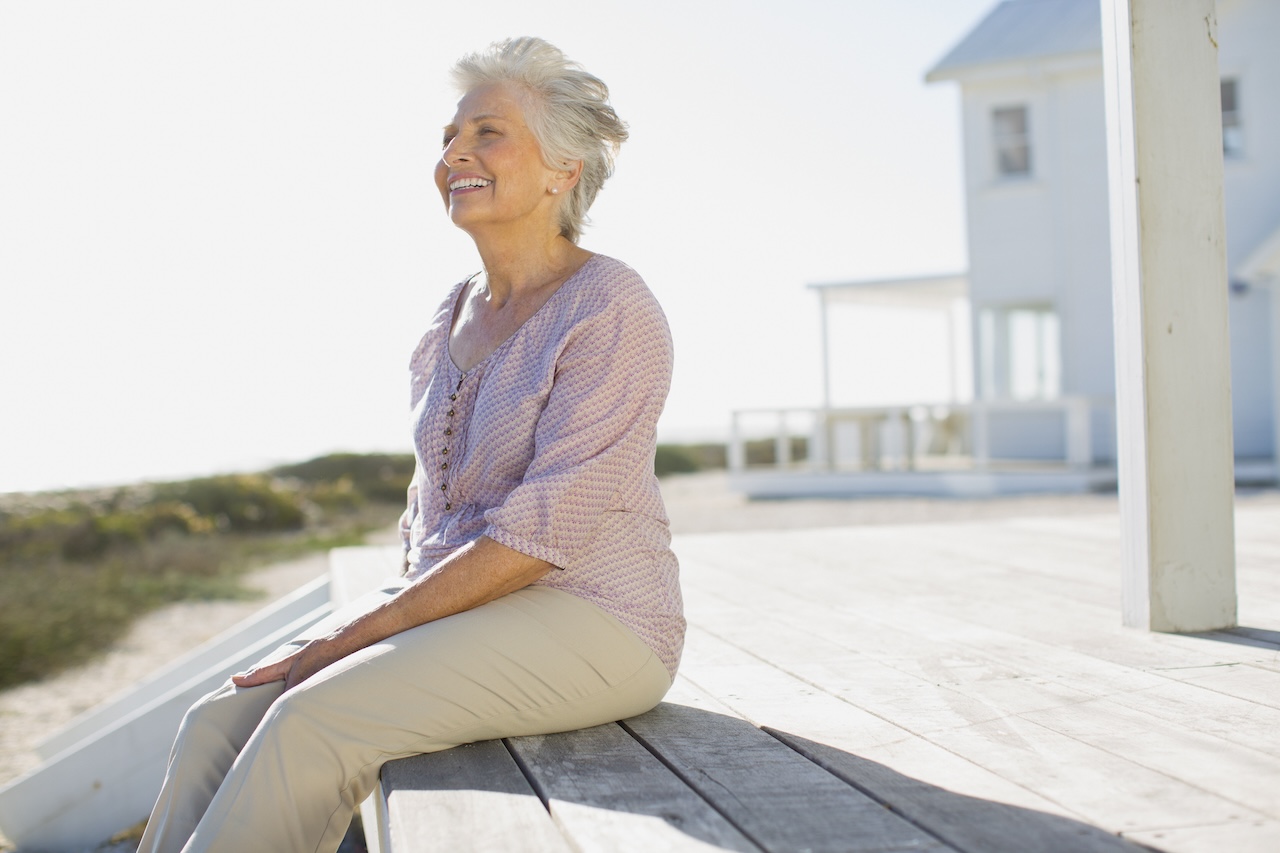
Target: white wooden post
{"points": [[1274, 296], [1079, 432], [820, 442], [953, 353], [1173, 395], [980, 424], [826, 459], [782, 443], [737, 451]]}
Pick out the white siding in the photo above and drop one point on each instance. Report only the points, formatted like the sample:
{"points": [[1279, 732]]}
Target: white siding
{"points": [[1248, 35], [1044, 240]]}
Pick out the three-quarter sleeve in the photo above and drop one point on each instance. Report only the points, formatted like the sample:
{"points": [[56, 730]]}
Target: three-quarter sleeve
{"points": [[594, 439]]}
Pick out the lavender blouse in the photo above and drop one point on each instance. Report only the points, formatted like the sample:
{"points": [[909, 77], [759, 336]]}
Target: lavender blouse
{"points": [[547, 447]]}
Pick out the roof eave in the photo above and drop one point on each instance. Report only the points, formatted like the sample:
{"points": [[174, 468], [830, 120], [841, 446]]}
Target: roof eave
{"points": [[1033, 67]]}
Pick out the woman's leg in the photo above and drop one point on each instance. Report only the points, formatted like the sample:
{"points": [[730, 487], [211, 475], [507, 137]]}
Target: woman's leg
{"points": [[533, 662], [213, 732]]}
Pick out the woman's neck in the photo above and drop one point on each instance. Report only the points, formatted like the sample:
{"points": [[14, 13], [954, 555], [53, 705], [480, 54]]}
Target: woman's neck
{"points": [[516, 268]]}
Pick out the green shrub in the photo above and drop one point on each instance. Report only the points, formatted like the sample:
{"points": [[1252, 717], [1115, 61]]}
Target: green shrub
{"points": [[687, 458], [376, 476], [764, 451], [673, 459], [243, 503], [338, 496]]}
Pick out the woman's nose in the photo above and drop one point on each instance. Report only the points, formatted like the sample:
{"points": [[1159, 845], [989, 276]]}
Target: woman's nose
{"points": [[454, 152]]}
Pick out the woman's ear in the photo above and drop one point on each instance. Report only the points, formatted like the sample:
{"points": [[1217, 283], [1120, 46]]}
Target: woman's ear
{"points": [[567, 178]]}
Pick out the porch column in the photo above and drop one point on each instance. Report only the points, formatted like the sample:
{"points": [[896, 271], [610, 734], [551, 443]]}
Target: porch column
{"points": [[1168, 250], [1273, 296], [823, 454]]}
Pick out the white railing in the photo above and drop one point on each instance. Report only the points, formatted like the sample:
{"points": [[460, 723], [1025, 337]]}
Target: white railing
{"points": [[902, 436]]}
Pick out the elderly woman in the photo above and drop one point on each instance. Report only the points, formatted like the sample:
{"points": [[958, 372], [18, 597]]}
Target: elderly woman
{"points": [[539, 592]]}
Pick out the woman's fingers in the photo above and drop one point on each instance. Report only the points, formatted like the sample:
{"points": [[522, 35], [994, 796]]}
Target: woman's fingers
{"points": [[293, 669], [263, 674]]}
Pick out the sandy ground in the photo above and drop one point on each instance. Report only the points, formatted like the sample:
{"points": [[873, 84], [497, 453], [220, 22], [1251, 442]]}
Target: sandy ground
{"points": [[698, 503]]}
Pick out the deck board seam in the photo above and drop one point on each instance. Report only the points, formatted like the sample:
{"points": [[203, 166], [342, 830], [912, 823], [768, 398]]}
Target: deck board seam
{"points": [[676, 771], [543, 797], [528, 774], [1253, 810], [869, 794]]}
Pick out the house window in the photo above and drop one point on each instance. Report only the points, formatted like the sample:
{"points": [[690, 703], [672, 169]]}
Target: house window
{"points": [[1035, 367], [1232, 139], [1019, 351], [1012, 138]]}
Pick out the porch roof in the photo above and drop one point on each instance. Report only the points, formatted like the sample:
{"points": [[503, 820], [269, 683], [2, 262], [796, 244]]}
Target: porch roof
{"points": [[935, 291]]}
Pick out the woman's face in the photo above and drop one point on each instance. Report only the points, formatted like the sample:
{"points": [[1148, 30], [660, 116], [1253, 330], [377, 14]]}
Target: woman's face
{"points": [[491, 171]]}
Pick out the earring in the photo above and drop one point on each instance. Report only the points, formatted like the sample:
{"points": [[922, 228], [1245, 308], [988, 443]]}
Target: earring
{"points": [[554, 190]]}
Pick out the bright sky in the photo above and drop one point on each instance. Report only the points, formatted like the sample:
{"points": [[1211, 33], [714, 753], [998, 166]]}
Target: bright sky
{"points": [[219, 238]]}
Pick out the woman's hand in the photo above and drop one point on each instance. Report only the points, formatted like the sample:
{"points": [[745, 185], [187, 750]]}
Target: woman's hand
{"points": [[293, 669], [475, 574]]}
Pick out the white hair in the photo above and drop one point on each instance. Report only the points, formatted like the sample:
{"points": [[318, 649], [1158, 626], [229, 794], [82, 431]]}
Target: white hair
{"points": [[566, 109]]}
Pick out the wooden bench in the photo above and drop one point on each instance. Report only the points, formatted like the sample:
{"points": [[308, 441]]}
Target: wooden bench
{"points": [[677, 778], [689, 775]]}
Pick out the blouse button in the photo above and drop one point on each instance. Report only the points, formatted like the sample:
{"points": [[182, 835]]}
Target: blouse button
{"points": [[444, 487], [453, 396], [445, 451], [444, 467], [452, 413], [449, 431], [448, 505]]}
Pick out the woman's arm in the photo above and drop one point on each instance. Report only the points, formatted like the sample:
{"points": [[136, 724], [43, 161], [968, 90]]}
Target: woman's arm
{"points": [[475, 574]]}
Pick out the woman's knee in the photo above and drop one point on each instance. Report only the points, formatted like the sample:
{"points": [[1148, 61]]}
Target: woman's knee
{"points": [[224, 719], [297, 716]]}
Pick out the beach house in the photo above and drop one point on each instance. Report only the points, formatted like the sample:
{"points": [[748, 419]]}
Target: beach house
{"points": [[1036, 300]]}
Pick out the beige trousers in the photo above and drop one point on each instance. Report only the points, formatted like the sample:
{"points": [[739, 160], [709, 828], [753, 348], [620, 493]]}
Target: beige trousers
{"points": [[257, 769]]}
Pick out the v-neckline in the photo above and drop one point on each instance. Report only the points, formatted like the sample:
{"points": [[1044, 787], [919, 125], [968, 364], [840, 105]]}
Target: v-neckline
{"points": [[457, 307]]}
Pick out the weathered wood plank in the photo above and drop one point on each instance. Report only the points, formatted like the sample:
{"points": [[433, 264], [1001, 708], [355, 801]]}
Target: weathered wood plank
{"points": [[955, 799], [1231, 771], [779, 799], [608, 793], [1255, 683], [1260, 836], [471, 797], [975, 722], [915, 578], [983, 672]]}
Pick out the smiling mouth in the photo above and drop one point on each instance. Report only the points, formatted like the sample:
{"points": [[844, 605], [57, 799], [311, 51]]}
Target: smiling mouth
{"points": [[468, 183]]}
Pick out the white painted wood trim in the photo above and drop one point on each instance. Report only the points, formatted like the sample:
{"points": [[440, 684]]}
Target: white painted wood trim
{"points": [[109, 782], [1173, 405]]}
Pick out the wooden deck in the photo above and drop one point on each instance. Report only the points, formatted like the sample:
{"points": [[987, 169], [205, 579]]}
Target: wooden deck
{"points": [[945, 687]]}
